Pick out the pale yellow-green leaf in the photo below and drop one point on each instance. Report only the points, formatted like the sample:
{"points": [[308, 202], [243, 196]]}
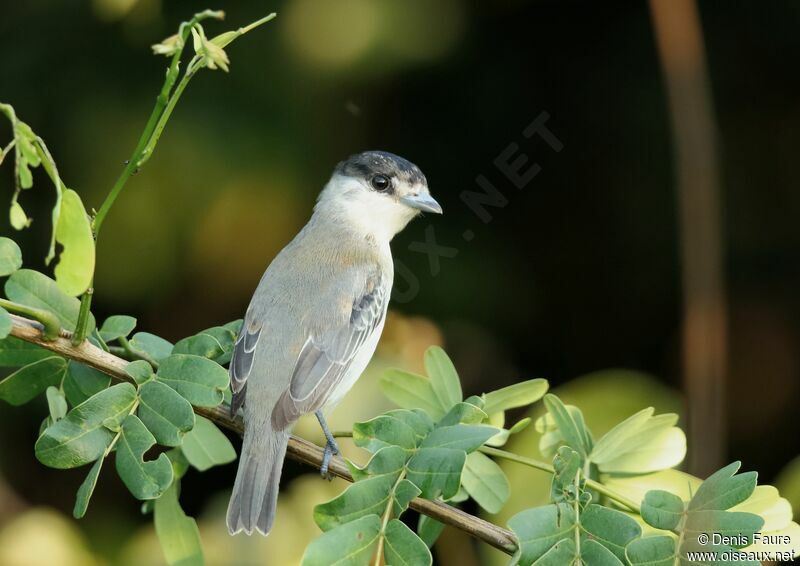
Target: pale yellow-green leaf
{"points": [[19, 220], [635, 487], [780, 541], [76, 263], [664, 450], [642, 443], [778, 529], [767, 502]]}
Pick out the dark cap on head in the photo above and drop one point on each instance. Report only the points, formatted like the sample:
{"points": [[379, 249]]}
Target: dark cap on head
{"points": [[370, 163]]}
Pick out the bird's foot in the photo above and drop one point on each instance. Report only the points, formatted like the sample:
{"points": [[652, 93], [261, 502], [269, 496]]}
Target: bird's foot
{"points": [[331, 450]]}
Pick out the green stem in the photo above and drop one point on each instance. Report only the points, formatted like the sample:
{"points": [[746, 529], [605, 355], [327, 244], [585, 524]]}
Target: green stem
{"points": [[138, 157], [590, 483], [158, 129], [6, 149], [81, 327], [137, 354], [50, 322], [387, 514], [100, 340]]}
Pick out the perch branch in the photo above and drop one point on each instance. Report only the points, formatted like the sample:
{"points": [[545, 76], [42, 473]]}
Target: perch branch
{"points": [[299, 449]]}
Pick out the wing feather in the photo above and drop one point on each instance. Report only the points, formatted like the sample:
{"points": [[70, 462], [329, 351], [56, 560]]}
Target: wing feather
{"points": [[242, 362], [325, 358]]}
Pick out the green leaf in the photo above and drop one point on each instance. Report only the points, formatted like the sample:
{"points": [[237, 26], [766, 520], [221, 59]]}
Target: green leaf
{"points": [[152, 345], [595, 553], [81, 437], [464, 412], [166, 414], [436, 471], [513, 396], [86, 490], [547, 535], [180, 465], [459, 437], [6, 324], [429, 530], [651, 551], [15, 352], [75, 267], [706, 513], [403, 547], [145, 479], [724, 489], [32, 380], [205, 445], [609, 527], [35, 289], [117, 326], [386, 461], [662, 509], [411, 391], [17, 217], [642, 443], [443, 376], [56, 403], [82, 381], [366, 497], [569, 424], [213, 343], [25, 175], [201, 381], [485, 482], [566, 465], [140, 370], [10, 257], [404, 493], [540, 528], [382, 431], [352, 544], [177, 533]]}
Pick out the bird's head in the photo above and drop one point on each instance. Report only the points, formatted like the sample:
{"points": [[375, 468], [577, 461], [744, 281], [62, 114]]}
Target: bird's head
{"points": [[377, 193]]}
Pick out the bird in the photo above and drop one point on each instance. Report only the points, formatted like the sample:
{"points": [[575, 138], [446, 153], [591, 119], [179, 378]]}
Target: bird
{"points": [[315, 319]]}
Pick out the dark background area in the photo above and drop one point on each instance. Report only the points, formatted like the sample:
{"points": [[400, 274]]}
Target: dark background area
{"points": [[579, 272]]}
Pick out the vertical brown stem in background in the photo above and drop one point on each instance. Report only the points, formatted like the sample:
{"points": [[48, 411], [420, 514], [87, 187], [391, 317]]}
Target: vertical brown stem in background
{"points": [[679, 38]]}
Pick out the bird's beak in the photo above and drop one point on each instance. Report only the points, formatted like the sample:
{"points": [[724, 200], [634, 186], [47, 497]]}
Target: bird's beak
{"points": [[422, 202]]}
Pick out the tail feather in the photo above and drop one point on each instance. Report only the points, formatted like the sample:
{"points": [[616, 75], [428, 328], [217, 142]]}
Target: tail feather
{"points": [[255, 492]]}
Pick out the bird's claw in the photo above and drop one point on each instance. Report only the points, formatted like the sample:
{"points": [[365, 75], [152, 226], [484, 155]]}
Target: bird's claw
{"points": [[331, 450]]}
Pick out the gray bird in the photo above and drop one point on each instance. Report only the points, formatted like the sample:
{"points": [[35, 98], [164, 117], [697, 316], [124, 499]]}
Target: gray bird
{"points": [[315, 320]]}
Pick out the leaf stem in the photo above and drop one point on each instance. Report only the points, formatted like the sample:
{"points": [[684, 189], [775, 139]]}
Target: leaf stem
{"points": [[137, 354], [387, 514], [592, 484], [6, 149], [50, 322], [147, 151]]}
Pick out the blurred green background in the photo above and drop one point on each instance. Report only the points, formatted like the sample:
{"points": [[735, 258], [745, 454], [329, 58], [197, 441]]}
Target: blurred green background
{"points": [[579, 272]]}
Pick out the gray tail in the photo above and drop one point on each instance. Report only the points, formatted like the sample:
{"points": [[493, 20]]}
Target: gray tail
{"points": [[255, 493]]}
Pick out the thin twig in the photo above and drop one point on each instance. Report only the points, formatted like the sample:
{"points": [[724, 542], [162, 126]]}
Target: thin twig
{"points": [[299, 449]]}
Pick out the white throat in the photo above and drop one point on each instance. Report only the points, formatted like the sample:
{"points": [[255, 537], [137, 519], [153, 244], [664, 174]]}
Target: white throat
{"points": [[368, 213]]}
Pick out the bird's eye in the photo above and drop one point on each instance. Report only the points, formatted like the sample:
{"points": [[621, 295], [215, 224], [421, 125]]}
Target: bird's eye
{"points": [[381, 183]]}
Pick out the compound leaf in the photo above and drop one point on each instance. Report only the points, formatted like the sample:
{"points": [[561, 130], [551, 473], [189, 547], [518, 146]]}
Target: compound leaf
{"points": [[146, 479]]}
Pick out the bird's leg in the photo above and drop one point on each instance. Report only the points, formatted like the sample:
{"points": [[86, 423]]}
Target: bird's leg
{"points": [[331, 448]]}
